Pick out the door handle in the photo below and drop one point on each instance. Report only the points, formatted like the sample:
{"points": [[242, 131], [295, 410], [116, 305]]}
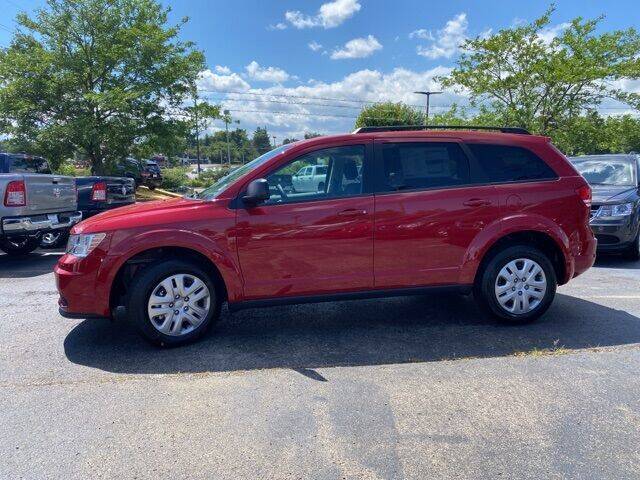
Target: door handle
{"points": [[352, 212], [477, 202]]}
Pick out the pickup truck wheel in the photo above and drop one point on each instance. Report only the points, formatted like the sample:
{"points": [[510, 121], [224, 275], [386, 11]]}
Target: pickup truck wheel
{"points": [[517, 285], [19, 246], [173, 302]]}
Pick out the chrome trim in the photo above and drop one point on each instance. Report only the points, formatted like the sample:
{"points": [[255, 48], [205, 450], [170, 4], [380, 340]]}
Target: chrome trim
{"points": [[27, 224]]}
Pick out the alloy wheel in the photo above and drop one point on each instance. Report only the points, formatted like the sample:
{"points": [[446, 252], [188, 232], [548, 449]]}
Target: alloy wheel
{"points": [[179, 304], [520, 286]]}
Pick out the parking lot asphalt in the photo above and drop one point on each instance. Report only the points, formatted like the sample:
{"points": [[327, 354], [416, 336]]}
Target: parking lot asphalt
{"points": [[414, 387]]}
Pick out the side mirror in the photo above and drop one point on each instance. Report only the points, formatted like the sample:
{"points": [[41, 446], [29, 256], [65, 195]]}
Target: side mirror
{"points": [[257, 192]]}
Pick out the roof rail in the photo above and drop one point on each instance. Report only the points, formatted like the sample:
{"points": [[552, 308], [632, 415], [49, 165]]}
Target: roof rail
{"points": [[403, 128]]}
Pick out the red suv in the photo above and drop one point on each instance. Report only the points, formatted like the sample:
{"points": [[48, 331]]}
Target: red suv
{"points": [[399, 211]]}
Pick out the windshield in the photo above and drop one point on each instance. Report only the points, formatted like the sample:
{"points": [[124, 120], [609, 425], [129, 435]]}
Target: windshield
{"points": [[607, 171], [214, 190]]}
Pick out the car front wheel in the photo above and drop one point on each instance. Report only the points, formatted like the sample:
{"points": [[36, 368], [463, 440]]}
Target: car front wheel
{"points": [[517, 285], [173, 302]]}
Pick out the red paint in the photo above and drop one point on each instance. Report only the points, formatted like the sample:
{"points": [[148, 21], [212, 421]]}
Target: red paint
{"points": [[372, 241]]}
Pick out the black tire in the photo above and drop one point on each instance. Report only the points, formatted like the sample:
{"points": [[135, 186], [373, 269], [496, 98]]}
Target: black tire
{"points": [[633, 253], [484, 290], [143, 285], [17, 247]]}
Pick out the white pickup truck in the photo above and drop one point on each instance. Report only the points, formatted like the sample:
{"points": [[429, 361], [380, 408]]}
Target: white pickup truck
{"points": [[33, 202], [311, 178]]}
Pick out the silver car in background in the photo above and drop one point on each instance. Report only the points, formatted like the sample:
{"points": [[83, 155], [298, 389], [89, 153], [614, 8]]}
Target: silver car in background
{"points": [[34, 202]]}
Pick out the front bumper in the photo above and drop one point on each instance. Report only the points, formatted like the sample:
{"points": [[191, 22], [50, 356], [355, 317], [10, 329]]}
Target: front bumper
{"points": [[614, 235], [83, 290], [36, 224]]}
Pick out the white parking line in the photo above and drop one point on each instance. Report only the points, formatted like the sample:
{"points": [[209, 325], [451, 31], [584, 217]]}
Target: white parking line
{"points": [[630, 297]]}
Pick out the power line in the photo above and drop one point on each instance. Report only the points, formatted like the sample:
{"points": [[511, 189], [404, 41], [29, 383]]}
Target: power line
{"points": [[360, 101], [304, 97]]}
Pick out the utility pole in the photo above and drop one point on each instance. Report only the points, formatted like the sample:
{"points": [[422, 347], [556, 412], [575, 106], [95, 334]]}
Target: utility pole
{"points": [[195, 112], [428, 94], [274, 142], [227, 119]]}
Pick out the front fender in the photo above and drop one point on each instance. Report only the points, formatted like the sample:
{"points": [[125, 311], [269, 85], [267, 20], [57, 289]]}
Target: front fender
{"points": [[219, 249], [521, 222]]}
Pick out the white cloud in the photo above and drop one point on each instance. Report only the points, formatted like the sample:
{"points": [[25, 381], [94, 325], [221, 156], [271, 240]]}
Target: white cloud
{"points": [[549, 33], [290, 111], [446, 42], [222, 70], [357, 48], [330, 15], [315, 46], [423, 34], [277, 26], [207, 80], [266, 74]]}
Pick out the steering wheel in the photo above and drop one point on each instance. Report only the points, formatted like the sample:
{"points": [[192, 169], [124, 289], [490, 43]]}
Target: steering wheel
{"points": [[282, 193]]}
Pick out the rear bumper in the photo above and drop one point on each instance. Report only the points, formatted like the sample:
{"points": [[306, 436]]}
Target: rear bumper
{"points": [[585, 258], [36, 224]]}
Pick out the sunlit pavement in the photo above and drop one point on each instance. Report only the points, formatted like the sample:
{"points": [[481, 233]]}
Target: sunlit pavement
{"points": [[418, 387]]}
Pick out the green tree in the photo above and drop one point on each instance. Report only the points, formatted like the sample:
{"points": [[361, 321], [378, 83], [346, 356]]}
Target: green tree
{"points": [[261, 141], [95, 77], [389, 113], [540, 84], [309, 135]]}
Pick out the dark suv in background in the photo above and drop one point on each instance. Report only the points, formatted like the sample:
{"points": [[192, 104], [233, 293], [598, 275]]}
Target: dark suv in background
{"points": [[615, 210]]}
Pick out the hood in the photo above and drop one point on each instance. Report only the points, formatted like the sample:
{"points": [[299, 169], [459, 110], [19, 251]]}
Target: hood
{"points": [[613, 194], [160, 212]]}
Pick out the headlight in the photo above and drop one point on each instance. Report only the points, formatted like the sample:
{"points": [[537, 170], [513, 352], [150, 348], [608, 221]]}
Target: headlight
{"points": [[619, 210], [82, 245]]}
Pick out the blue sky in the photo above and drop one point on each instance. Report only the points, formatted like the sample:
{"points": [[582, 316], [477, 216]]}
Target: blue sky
{"points": [[286, 64]]}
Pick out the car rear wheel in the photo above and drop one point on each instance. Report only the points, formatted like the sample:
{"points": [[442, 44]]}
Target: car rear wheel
{"points": [[19, 246], [517, 285], [173, 302]]}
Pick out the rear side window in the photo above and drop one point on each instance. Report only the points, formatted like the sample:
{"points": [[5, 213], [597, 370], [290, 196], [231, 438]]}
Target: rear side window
{"points": [[27, 164], [501, 163], [416, 166]]}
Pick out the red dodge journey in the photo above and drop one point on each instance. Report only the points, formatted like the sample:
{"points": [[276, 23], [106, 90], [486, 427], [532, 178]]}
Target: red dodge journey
{"points": [[379, 212]]}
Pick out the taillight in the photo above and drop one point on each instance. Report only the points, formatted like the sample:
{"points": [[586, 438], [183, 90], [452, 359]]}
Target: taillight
{"points": [[16, 194], [99, 192], [584, 193]]}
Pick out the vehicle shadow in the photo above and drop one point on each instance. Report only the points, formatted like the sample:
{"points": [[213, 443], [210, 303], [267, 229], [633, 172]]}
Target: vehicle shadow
{"points": [[367, 332], [32, 265]]}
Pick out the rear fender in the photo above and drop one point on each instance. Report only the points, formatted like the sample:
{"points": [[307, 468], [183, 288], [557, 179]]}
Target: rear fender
{"points": [[521, 222]]}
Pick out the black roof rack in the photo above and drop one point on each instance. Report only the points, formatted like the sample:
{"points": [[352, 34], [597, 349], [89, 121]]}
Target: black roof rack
{"points": [[404, 128]]}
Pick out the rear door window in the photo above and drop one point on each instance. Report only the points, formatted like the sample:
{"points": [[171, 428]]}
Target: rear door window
{"points": [[422, 165], [502, 164]]}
